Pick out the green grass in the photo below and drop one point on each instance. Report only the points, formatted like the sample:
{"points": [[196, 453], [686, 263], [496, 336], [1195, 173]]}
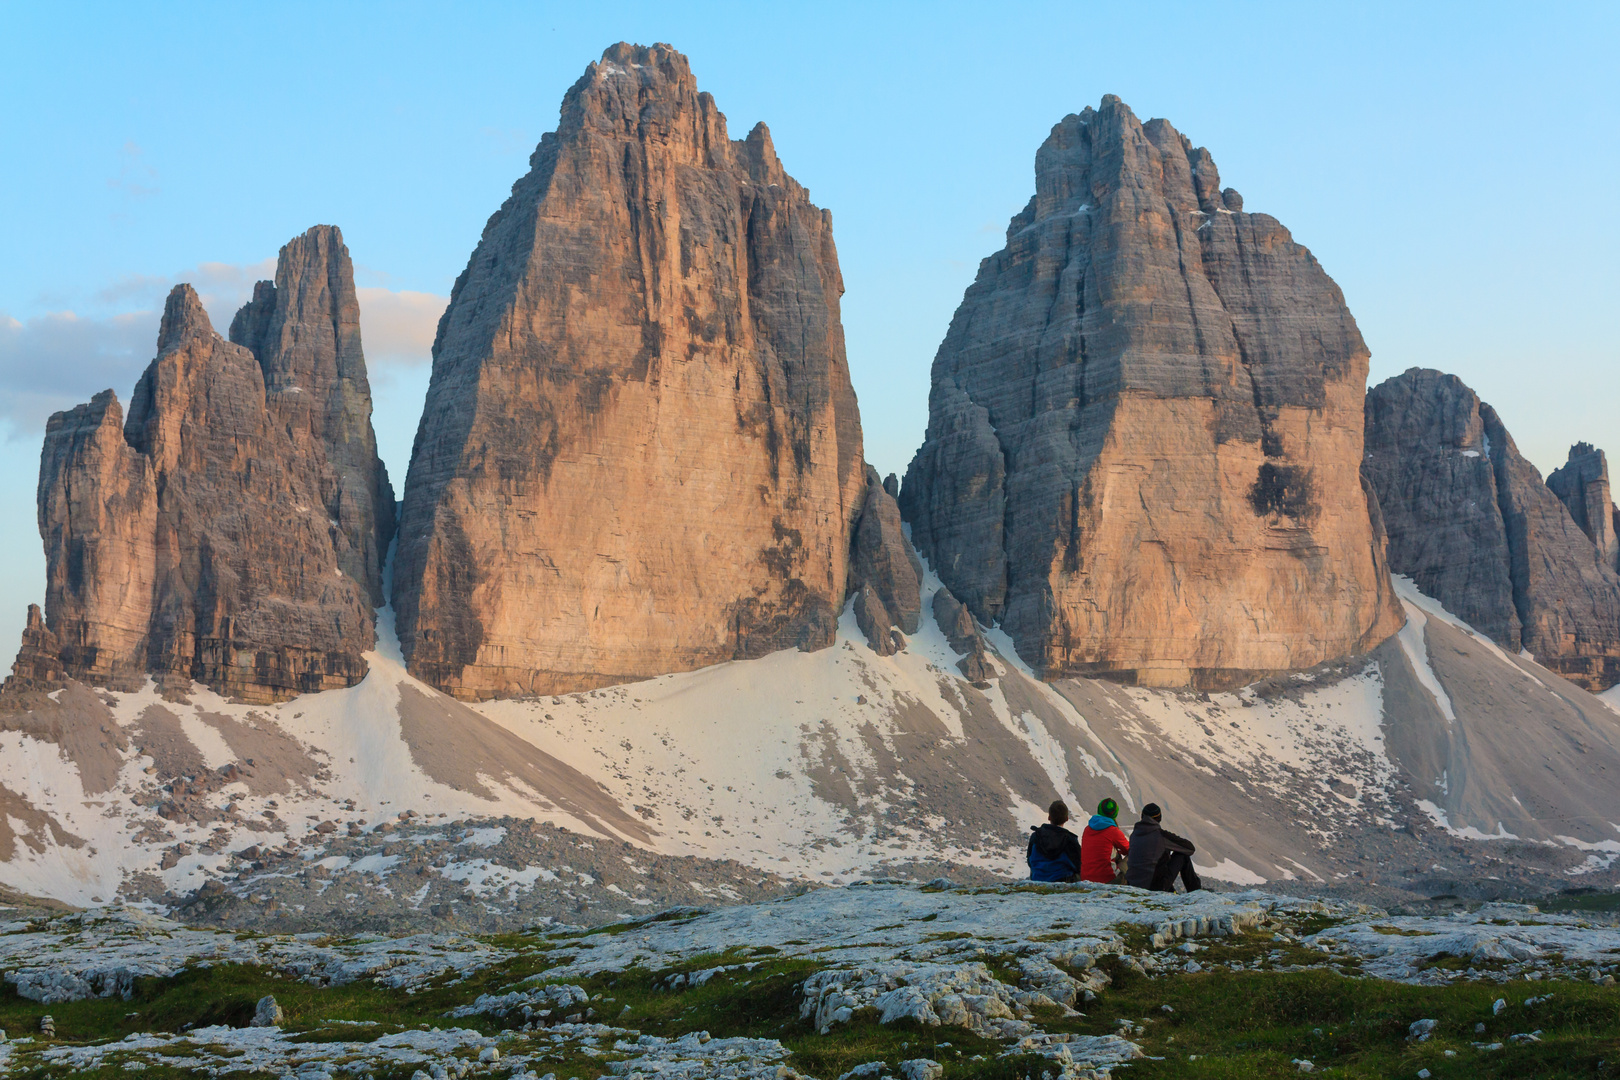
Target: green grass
{"points": [[1594, 901], [1252, 1024], [1247, 1024]]}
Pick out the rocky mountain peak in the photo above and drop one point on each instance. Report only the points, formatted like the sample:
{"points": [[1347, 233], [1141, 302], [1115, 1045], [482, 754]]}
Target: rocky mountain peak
{"points": [[641, 452], [230, 530], [1582, 484], [304, 330], [184, 318], [1471, 522], [645, 93], [1137, 349]]}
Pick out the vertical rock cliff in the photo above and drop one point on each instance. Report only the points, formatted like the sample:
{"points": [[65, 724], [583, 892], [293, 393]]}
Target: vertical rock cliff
{"points": [[1145, 428], [1582, 485], [640, 452], [1470, 521], [229, 529], [304, 329]]}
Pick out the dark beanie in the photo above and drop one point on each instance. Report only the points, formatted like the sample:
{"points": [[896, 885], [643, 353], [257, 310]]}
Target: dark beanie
{"points": [[1151, 810]]}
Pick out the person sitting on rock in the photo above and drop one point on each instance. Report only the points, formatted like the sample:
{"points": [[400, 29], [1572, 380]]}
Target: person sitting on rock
{"points": [[1158, 856], [1101, 842], [1054, 852]]}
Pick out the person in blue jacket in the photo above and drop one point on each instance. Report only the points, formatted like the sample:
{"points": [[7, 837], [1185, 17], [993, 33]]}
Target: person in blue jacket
{"points": [[1054, 852]]}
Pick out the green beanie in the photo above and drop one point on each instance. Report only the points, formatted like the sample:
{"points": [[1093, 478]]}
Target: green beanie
{"points": [[1108, 808]]}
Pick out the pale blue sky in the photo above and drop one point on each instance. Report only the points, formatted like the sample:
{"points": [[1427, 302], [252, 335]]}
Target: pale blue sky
{"points": [[1453, 166]]}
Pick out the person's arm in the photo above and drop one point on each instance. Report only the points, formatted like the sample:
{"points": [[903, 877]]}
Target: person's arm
{"points": [[1121, 841], [1172, 842]]}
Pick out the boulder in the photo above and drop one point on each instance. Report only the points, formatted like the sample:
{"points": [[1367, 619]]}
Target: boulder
{"points": [[640, 452], [1144, 437], [267, 1013], [875, 621]]}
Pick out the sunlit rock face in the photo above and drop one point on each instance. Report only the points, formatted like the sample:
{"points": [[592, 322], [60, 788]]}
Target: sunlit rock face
{"points": [[1145, 429], [640, 452]]}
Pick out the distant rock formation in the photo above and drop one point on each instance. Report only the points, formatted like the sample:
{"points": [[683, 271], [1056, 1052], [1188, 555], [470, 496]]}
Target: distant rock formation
{"points": [[230, 530], [641, 451], [1144, 435], [884, 572], [1582, 485], [1470, 521]]}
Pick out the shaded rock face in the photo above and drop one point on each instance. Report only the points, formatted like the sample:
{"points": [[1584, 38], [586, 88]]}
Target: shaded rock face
{"points": [[1582, 485], [1144, 434], [884, 571], [640, 451], [1470, 521], [304, 329], [209, 536]]}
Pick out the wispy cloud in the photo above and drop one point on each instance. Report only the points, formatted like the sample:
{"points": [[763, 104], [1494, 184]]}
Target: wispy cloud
{"points": [[54, 361], [58, 360], [135, 177], [397, 328], [222, 287]]}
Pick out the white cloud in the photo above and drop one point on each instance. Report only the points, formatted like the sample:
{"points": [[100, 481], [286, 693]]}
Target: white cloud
{"points": [[222, 287], [57, 360], [398, 327]]}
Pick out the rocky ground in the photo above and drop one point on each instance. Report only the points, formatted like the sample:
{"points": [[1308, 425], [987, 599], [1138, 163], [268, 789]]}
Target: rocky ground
{"points": [[501, 874], [883, 979], [489, 875]]}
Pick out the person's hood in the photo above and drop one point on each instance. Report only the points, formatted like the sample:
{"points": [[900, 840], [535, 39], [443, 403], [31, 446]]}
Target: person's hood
{"points": [[1049, 839], [1100, 823]]}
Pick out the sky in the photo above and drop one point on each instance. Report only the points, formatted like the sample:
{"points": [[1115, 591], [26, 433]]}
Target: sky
{"points": [[1453, 167]]}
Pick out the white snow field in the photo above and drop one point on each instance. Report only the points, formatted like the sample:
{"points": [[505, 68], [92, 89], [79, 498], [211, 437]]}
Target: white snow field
{"points": [[830, 766]]}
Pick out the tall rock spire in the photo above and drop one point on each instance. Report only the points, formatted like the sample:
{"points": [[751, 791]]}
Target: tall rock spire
{"points": [[1582, 485], [304, 329], [640, 452], [222, 532], [1144, 428]]}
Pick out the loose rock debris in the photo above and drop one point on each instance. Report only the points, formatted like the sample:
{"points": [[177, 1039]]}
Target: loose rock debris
{"points": [[991, 961]]}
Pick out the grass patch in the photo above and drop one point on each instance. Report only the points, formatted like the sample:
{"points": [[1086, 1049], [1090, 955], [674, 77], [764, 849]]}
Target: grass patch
{"points": [[1246, 1025], [1593, 901]]}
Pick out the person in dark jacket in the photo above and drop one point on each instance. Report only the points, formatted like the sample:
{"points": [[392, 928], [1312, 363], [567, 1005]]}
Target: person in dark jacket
{"points": [[1158, 856], [1054, 852]]}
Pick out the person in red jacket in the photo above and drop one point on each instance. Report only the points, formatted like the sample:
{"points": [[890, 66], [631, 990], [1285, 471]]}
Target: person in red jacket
{"points": [[1099, 842]]}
